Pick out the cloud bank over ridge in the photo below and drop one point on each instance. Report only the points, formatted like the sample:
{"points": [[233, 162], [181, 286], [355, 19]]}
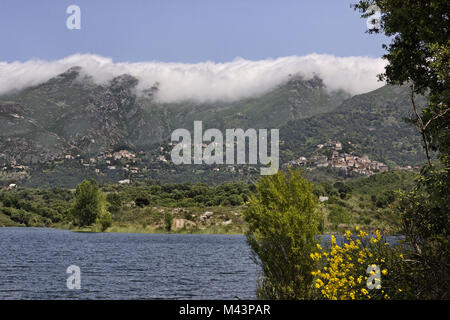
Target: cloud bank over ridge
{"points": [[205, 81]]}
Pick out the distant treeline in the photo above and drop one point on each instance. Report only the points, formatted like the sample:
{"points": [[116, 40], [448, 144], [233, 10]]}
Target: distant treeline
{"points": [[44, 207]]}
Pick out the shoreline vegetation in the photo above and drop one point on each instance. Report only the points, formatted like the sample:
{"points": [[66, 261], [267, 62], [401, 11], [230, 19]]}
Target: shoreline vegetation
{"points": [[365, 202], [226, 220]]}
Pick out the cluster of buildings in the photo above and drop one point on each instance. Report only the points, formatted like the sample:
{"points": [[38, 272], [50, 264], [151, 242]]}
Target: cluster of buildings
{"points": [[110, 159], [107, 157], [340, 160], [335, 145]]}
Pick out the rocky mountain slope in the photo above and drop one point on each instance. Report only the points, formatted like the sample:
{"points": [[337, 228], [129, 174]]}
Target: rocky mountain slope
{"points": [[72, 117]]}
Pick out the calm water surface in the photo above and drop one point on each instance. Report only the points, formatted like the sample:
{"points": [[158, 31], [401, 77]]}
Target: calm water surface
{"points": [[33, 263]]}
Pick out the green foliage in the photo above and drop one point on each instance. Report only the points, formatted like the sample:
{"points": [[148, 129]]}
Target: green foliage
{"points": [[365, 201], [283, 220], [56, 207], [5, 220], [419, 54], [26, 218], [425, 223], [104, 220], [36, 207], [168, 220], [415, 26], [179, 195], [52, 205], [115, 202], [384, 182], [89, 203], [338, 214]]}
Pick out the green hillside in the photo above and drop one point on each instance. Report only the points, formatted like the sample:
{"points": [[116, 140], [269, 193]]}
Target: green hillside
{"points": [[369, 124], [58, 133]]}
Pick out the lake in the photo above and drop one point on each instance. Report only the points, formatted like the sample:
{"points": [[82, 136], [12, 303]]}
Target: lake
{"points": [[33, 264]]}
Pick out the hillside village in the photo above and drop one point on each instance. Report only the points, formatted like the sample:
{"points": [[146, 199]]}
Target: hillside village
{"points": [[339, 160], [126, 165]]}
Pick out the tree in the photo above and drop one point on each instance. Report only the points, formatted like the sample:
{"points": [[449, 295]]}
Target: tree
{"points": [[115, 202], [104, 220], [142, 202], [419, 55], [283, 221], [89, 203], [168, 220]]}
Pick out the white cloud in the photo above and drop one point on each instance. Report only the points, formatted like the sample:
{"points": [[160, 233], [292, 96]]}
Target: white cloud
{"points": [[206, 81]]}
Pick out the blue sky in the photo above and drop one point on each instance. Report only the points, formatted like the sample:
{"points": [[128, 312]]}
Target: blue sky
{"points": [[184, 30]]}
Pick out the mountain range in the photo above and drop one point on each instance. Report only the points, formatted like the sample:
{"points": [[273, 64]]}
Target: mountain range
{"points": [[71, 116]]}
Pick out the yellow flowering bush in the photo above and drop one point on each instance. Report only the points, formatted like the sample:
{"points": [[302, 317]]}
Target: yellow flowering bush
{"points": [[343, 269]]}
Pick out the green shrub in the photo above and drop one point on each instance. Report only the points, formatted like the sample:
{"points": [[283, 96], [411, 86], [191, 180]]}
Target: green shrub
{"points": [[89, 203], [115, 202], [104, 220], [339, 215], [168, 220], [283, 219]]}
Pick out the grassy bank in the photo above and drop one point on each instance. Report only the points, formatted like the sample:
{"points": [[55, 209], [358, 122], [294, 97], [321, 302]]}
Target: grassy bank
{"points": [[191, 220], [367, 202]]}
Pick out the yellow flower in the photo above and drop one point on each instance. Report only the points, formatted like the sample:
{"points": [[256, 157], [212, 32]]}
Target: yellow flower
{"points": [[319, 283], [384, 272], [338, 278], [378, 233], [333, 240]]}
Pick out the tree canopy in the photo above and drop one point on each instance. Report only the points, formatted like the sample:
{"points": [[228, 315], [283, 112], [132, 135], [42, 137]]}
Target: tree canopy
{"points": [[419, 55], [89, 203]]}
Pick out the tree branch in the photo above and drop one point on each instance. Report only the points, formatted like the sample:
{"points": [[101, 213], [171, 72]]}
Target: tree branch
{"points": [[421, 128]]}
